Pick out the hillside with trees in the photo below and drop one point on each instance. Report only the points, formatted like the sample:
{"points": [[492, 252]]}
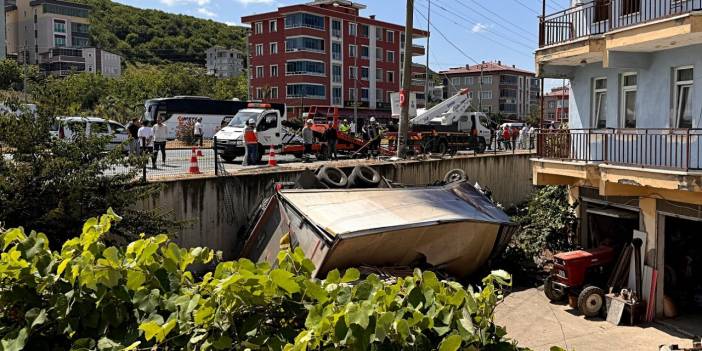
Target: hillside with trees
{"points": [[152, 36]]}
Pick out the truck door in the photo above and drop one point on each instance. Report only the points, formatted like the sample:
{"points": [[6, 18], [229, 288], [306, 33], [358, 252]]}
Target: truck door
{"points": [[484, 126], [268, 130], [463, 123]]}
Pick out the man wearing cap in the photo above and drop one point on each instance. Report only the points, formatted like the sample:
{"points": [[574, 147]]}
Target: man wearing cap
{"points": [[251, 157], [307, 139], [373, 134], [345, 127]]}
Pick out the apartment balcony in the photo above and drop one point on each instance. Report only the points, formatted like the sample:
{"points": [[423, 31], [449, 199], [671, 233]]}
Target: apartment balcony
{"points": [[606, 30], [419, 50], [624, 162]]}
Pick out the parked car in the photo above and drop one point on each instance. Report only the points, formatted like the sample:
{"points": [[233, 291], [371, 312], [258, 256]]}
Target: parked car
{"points": [[66, 127]]}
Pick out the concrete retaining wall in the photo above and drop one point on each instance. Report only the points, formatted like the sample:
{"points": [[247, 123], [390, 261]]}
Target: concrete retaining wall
{"points": [[219, 207]]}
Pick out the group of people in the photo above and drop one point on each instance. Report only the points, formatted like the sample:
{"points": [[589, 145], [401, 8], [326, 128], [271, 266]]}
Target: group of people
{"points": [[511, 138], [371, 133], [145, 139]]}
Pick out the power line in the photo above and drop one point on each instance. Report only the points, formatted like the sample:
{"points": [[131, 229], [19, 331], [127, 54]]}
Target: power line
{"points": [[526, 7], [445, 38], [494, 14]]}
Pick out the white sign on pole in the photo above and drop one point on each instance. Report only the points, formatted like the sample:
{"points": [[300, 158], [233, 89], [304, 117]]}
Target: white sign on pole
{"points": [[395, 105]]}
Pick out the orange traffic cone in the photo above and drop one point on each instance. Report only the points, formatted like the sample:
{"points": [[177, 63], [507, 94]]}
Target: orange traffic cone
{"points": [[199, 152], [194, 168], [271, 158]]}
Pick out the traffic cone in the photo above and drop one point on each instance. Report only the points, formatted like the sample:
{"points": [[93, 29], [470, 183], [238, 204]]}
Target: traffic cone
{"points": [[271, 158], [194, 168], [199, 152]]}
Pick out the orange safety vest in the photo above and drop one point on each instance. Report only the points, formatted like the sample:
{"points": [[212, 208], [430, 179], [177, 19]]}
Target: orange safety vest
{"points": [[250, 136]]}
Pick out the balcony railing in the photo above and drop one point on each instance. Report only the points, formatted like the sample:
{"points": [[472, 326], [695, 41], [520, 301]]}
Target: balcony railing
{"points": [[600, 16], [676, 149]]}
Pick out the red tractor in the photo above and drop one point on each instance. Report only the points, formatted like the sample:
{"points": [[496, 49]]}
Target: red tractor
{"points": [[581, 273]]}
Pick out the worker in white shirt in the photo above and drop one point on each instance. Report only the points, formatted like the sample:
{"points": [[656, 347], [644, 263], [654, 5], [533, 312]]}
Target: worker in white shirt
{"points": [[146, 136], [197, 132], [160, 139]]}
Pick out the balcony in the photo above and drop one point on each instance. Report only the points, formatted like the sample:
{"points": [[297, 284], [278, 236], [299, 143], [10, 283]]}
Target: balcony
{"points": [[419, 50]]}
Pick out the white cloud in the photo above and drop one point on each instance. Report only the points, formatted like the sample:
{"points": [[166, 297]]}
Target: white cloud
{"points": [[256, 2], [205, 12], [235, 24], [176, 2], [479, 27]]}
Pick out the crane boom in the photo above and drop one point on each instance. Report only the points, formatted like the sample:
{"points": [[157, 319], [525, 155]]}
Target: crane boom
{"points": [[448, 110]]}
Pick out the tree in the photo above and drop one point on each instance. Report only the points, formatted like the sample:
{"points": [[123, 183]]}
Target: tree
{"points": [[10, 74]]}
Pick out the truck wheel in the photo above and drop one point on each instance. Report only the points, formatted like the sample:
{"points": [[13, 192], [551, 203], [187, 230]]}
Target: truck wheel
{"points": [[443, 148], [333, 177], [591, 301], [553, 294], [364, 177], [455, 175]]}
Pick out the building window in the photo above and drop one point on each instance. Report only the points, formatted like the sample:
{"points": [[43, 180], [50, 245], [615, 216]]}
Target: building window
{"points": [[59, 26], [353, 72], [379, 74], [304, 44], [364, 52], [305, 90], [64, 10], [274, 70], [306, 20], [391, 76], [630, 7], [391, 56], [599, 102], [336, 73], [336, 28], [468, 80], [456, 81], [259, 93], [390, 35], [364, 73], [352, 94], [364, 94], [352, 50], [378, 34], [487, 80], [486, 95], [273, 26], [305, 67], [274, 92], [364, 30], [379, 95], [274, 48], [378, 54], [602, 10], [336, 51], [259, 72], [59, 40], [353, 29], [336, 96], [258, 28], [628, 100], [259, 49], [683, 97]]}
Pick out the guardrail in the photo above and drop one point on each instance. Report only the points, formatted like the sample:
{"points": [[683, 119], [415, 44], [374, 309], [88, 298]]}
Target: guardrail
{"points": [[675, 149], [600, 16]]}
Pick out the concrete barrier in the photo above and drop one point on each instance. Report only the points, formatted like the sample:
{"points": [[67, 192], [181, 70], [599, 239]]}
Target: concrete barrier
{"points": [[220, 207]]}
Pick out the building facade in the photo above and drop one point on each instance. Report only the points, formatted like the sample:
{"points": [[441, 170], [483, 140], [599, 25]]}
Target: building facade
{"points": [[324, 53], [51, 34], [102, 62], [224, 63], [505, 90], [631, 157], [556, 105], [3, 44]]}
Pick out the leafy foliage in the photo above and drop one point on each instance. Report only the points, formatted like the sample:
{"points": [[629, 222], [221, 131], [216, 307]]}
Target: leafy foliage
{"points": [[89, 296]]}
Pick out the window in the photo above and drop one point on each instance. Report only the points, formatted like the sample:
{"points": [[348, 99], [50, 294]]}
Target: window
{"points": [[353, 29], [336, 51], [551, 104], [259, 72], [378, 54], [352, 94], [364, 94], [352, 50], [402, 40], [599, 102], [259, 49], [274, 48], [273, 26], [601, 10], [391, 77], [80, 42], [66, 10], [353, 72], [627, 112], [379, 95], [630, 7], [258, 28], [274, 70], [336, 28], [487, 80], [306, 91], [336, 73], [99, 128], [304, 44], [59, 26], [117, 128], [391, 56], [486, 95], [379, 34], [364, 52], [305, 67], [336, 96], [455, 81], [683, 97], [364, 31], [364, 73], [306, 20], [59, 40], [468, 80], [259, 93], [379, 74], [274, 91], [390, 36]]}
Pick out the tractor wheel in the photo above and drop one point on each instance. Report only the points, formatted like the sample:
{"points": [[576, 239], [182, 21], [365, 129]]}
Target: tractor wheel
{"points": [[552, 294], [591, 301]]}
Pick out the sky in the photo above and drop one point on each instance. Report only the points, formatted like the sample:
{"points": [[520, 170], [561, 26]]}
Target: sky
{"points": [[462, 31]]}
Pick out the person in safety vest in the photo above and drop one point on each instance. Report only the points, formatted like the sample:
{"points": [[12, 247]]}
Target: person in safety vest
{"points": [[251, 142]]}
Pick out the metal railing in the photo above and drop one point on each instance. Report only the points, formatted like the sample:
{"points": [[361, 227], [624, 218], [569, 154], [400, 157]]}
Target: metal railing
{"points": [[600, 16], [675, 149]]}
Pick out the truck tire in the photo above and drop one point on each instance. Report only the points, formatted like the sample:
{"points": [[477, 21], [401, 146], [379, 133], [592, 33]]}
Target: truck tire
{"points": [[333, 177], [455, 175], [591, 301], [551, 293], [364, 177], [443, 147]]}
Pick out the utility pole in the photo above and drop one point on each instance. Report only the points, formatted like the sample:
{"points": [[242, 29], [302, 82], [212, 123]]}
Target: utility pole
{"points": [[406, 80], [541, 88], [426, 75]]}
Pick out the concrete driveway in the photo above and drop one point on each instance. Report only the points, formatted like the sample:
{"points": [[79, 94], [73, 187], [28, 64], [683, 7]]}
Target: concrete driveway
{"points": [[538, 324]]}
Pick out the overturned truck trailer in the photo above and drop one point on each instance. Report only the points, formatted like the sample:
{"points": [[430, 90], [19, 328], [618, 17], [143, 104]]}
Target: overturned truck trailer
{"points": [[453, 228]]}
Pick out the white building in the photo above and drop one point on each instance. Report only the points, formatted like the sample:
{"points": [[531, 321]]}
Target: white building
{"points": [[102, 62], [224, 63]]}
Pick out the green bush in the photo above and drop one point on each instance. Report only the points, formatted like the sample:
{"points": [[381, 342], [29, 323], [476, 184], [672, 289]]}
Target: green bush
{"points": [[89, 296]]}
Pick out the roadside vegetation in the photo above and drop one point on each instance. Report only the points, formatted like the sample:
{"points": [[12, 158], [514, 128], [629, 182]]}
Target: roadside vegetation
{"points": [[91, 296]]}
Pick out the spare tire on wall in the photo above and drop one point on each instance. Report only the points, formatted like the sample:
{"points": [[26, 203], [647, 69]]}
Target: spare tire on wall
{"points": [[333, 177], [364, 177]]}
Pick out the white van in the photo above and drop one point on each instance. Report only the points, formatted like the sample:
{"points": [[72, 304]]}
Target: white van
{"points": [[65, 127]]}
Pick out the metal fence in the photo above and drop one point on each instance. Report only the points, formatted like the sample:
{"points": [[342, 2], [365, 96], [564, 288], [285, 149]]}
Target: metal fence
{"points": [[676, 149], [600, 16], [178, 160]]}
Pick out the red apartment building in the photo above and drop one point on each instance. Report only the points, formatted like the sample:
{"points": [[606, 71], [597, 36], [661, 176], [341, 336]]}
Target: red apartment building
{"points": [[324, 53], [556, 104]]}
